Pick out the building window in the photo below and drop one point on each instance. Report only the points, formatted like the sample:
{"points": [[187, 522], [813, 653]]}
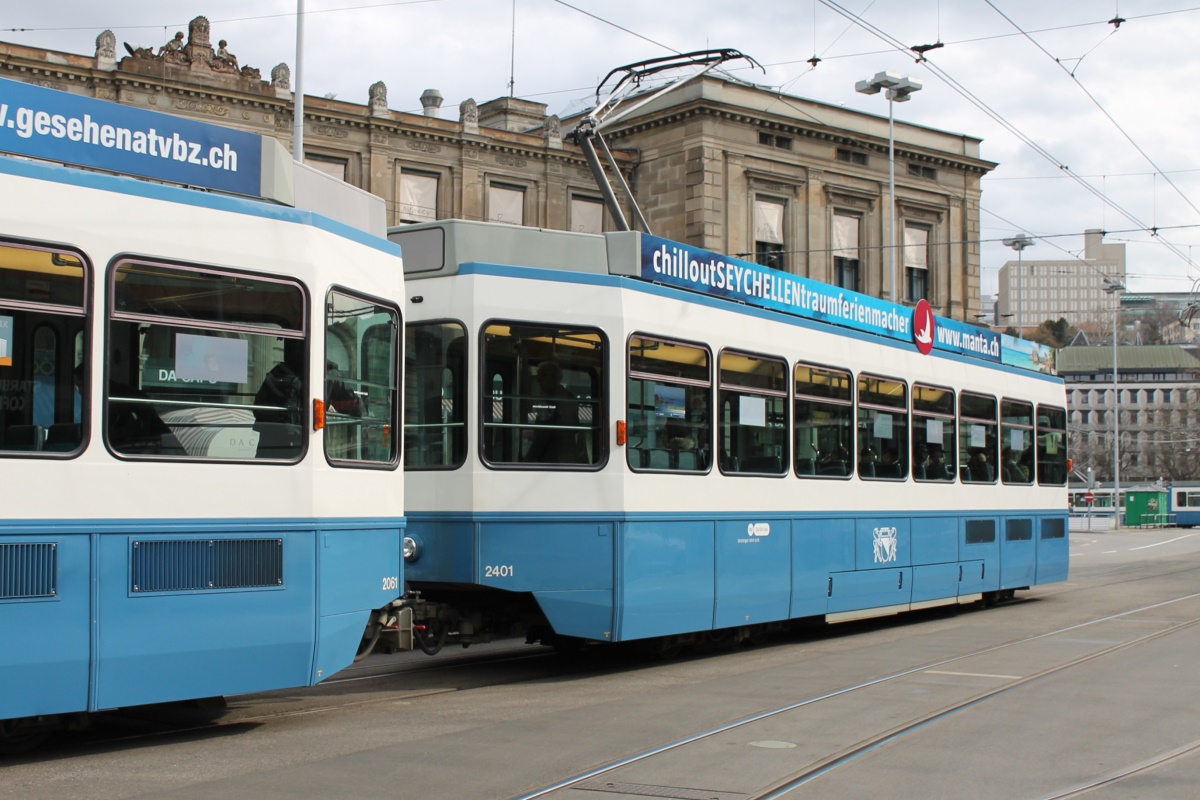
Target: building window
{"points": [[852, 156], [768, 232], [916, 262], [334, 167], [506, 204], [771, 140], [418, 197], [846, 251], [918, 171], [587, 215]]}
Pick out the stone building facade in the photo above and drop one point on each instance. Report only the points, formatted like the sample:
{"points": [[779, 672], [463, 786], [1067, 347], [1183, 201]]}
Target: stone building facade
{"points": [[1158, 399], [717, 164]]}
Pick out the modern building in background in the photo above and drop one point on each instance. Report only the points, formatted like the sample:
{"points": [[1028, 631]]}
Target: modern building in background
{"points": [[1158, 399], [1068, 288], [737, 169]]}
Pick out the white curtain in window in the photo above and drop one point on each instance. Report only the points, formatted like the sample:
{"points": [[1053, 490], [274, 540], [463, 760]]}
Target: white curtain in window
{"points": [[418, 197], [916, 247], [506, 205], [587, 216], [768, 221], [330, 167], [845, 236]]}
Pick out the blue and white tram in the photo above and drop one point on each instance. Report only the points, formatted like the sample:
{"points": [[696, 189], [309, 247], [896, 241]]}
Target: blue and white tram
{"points": [[201, 488], [1185, 504], [592, 453]]}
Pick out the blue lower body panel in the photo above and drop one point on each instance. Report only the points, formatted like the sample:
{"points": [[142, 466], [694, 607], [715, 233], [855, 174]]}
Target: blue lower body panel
{"points": [[152, 612], [628, 577]]}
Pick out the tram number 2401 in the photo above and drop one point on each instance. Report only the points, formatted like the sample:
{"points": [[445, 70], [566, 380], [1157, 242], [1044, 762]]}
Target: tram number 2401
{"points": [[498, 571]]}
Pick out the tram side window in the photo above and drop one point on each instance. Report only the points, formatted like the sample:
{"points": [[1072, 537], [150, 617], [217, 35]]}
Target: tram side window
{"points": [[668, 405], [205, 365], [882, 428], [824, 422], [1051, 445], [543, 388], [1016, 439], [435, 404], [361, 349], [43, 292], [977, 437], [934, 452], [752, 414]]}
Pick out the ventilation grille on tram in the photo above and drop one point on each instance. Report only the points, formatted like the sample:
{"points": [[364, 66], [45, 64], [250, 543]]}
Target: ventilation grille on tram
{"points": [[184, 565], [28, 570]]}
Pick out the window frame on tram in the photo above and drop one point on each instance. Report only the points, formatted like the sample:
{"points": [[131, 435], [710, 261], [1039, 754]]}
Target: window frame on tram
{"points": [[528, 426], [870, 412], [976, 423], [436, 401], [938, 419], [738, 451], [361, 398], [830, 457], [1017, 471], [183, 416], [42, 418], [680, 391], [1051, 471]]}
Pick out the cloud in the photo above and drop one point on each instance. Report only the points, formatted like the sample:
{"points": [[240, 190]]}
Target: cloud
{"points": [[556, 54]]}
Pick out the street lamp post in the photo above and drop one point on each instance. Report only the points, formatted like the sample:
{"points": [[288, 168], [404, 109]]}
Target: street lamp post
{"points": [[899, 90], [1019, 243], [1111, 287]]}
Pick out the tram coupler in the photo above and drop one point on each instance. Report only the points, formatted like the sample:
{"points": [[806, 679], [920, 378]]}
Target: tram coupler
{"points": [[397, 632]]}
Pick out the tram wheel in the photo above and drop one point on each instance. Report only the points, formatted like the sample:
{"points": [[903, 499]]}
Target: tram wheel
{"points": [[14, 741]]}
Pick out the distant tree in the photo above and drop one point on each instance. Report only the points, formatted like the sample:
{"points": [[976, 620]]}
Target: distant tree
{"points": [[1054, 333]]}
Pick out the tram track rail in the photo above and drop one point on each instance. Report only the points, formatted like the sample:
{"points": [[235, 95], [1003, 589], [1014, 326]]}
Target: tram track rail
{"points": [[780, 788]]}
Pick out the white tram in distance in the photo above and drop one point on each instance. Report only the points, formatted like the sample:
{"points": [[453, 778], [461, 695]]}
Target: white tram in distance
{"points": [[202, 493], [616, 437]]}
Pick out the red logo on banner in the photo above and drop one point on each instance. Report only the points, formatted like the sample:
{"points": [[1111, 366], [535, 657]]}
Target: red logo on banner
{"points": [[923, 326]]}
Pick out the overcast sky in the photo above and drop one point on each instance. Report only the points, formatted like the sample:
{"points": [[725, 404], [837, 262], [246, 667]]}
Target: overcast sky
{"points": [[1050, 86]]}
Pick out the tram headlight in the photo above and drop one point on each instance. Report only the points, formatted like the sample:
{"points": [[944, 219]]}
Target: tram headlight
{"points": [[412, 549]]}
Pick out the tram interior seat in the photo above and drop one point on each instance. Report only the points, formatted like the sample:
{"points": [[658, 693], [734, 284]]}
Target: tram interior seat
{"points": [[804, 466], [637, 457], [660, 458], [764, 464], [965, 473], [887, 471], [64, 437], [866, 470], [833, 467], [24, 437], [278, 440], [918, 472], [689, 460]]}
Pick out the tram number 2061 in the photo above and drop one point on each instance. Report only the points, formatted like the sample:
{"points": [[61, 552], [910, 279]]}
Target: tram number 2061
{"points": [[390, 583], [498, 571]]}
